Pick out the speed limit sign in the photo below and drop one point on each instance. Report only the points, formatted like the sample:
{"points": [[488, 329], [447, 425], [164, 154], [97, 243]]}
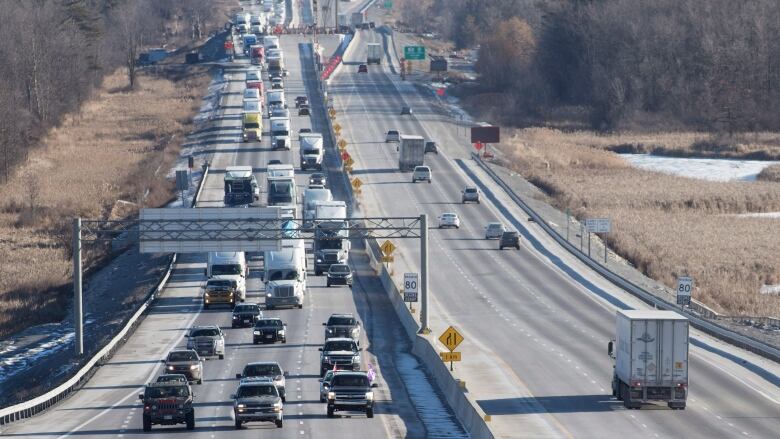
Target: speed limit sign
{"points": [[684, 289], [410, 287]]}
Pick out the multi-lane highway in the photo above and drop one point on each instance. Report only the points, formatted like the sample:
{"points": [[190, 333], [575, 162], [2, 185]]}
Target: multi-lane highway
{"points": [[536, 321], [108, 406]]}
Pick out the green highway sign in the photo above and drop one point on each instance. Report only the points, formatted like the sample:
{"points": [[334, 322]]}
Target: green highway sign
{"points": [[414, 52], [388, 4]]}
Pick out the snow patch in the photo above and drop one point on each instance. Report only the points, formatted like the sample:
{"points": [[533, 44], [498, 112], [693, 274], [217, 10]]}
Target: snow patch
{"points": [[700, 168]]}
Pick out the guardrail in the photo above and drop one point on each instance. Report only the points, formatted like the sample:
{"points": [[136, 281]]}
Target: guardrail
{"points": [[38, 404], [720, 332]]}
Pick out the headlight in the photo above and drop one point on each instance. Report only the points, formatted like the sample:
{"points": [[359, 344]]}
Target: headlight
{"points": [[194, 366], [207, 294], [241, 406], [268, 295], [331, 395], [256, 332], [319, 260], [354, 331], [280, 332], [370, 396], [356, 359], [326, 359], [154, 407], [170, 367], [330, 331], [235, 317]]}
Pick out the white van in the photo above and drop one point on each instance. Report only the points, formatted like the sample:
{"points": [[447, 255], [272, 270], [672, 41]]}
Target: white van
{"points": [[229, 266], [285, 276]]}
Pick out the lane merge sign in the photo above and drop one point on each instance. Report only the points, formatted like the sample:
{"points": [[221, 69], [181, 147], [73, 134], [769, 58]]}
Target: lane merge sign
{"points": [[451, 338]]}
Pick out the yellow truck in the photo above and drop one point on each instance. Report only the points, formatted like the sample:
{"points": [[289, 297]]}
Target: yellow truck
{"points": [[253, 127]]}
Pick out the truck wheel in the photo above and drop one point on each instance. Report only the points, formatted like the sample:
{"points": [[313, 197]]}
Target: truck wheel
{"points": [[317, 272], [191, 420], [200, 381], [221, 356], [205, 306], [279, 423], [300, 306], [328, 284], [147, 423], [284, 341], [254, 341], [323, 371], [238, 424], [370, 412], [330, 411]]}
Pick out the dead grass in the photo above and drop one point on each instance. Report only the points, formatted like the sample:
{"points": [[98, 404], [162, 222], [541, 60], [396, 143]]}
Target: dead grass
{"points": [[665, 225], [119, 147]]}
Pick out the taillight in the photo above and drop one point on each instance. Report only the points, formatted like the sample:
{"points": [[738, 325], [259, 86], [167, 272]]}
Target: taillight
{"points": [[682, 385], [637, 384]]}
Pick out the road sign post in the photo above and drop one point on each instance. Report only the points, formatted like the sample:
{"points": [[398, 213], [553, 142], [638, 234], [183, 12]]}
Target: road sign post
{"points": [[78, 320], [598, 225], [411, 284], [451, 338], [424, 274], [684, 290]]}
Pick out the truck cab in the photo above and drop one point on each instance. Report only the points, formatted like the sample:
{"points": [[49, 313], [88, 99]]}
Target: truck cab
{"points": [[229, 266], [280, 133], [253, 127], [240, 186], [331, 235], [285, 277], [311, 151]]}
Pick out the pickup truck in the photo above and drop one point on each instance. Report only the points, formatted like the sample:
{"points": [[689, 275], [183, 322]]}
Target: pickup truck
{"points": [[207, 341], [340, 352], [350, 391], [342, 326]]}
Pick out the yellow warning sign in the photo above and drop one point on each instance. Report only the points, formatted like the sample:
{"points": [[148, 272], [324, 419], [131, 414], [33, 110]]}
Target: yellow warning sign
{"points": [[451, 338], [387, 248], [449, 356], [332, 112], [342, 143], [349, 162]]}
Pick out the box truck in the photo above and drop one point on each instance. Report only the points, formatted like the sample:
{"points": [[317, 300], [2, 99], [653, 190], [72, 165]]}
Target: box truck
{"points": [[374, 53], [412, 152], [651, 358]]}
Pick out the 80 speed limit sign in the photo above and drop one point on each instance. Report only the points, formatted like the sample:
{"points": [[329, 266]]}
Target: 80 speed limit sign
{"points": [[410, 287], [684, 289]]}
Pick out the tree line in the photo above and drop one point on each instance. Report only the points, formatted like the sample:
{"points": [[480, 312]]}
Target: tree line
{"points": [[55, 52], [710, 65]]}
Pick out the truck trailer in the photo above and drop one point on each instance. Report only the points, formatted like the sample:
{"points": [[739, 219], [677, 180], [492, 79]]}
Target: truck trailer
{"points": [[412, 152], [374, 53], [651, 358]]}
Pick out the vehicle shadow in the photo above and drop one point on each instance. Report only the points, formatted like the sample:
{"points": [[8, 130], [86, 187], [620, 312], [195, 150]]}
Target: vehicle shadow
{"points": [[550, 404]]}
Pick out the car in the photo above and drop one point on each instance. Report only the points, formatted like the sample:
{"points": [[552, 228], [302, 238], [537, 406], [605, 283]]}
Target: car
{"points": [[431, 147], [277, 83], [339, 274], [469, 194], [304, 110], [304, 130], [406, 110], [253, 75], [393, 136], [494, 230], [257, 400], [449, 219], [274, 162], [325, 385], [421, 173], [245, 314], [317, 178], [342, 326], [362, 68], [207, 341], [268, 369], [301, 100], [342, 352], [269, 330], [350, 391], [167, 403], [186, 362], [509, 238]]}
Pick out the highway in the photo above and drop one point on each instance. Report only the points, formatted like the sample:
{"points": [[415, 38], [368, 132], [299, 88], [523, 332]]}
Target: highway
{"points": [[107, 406], [536, 321]]}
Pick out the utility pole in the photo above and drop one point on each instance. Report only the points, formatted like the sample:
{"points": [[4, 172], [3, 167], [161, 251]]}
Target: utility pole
{"points": [[424, 274], [78, 312], [337, 15]]}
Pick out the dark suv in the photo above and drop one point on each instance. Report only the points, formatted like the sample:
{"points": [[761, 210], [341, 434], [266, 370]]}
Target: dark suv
{"points": [[269, 330], [167, 403], [257, 400], [350, 391], [509, 238], [245, 314], [339, 274]]}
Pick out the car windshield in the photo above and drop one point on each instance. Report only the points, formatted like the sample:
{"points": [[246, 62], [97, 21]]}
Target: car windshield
{"points": [[205, 332], [220, 283], [253, 309], [392, 133], [495, 226], [283, 275], [350, 380], [339, 268], [448, 215], [167, 392], [262, 370], [257, 390], [471, 190], [183, 356], [510, 234], [316, 177], [251, 125], [171, 378], [341, 321], [227, 269], [345, 345], [269, 322]]}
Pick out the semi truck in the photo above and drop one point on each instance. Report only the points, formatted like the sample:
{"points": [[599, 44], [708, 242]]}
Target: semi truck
{"points": [[311, 150], [412, 152], [651, 358], [280, 133], [331, 235], [240, 186], [282, 192], [374, 53]]}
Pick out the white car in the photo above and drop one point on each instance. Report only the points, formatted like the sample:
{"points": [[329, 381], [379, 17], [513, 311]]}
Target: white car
{"points": [[449, 219], [494, 230], [421, 173], [392, 136], [277, 84]]}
